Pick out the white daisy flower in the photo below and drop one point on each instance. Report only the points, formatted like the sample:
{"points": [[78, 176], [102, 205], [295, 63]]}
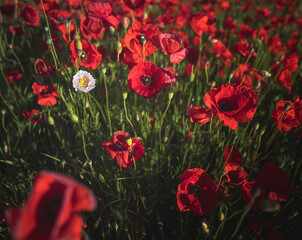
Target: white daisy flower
{"points": [[83, 81]]}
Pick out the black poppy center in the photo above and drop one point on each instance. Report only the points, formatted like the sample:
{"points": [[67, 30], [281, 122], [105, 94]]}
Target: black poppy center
{"points": [[195, 190], [45, 91], [224, 107], [119, 147], [146, 80], [83, 56], [141, 38]]}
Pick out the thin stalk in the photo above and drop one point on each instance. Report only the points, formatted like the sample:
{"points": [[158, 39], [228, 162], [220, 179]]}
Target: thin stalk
{"points": [[126, 115], [107, 104], [161, 125]]}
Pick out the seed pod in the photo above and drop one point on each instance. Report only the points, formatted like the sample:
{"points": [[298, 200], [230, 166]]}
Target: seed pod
{"points": [[129, 141]]}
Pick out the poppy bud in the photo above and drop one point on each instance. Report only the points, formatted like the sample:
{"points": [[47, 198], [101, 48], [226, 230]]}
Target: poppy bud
{"points": [[74, 118], [256, 126], [213, 41], [119, 47], [170, 95], [205, 227], [192, 77], [262, 132], [67, 24], [264, 73], [51, 121], [129, 141], [104, 70], [79, 45], [3, 111], [113, 31], [125, 23], [267, 205], [48, 40], [125, 95], [5, 148]]}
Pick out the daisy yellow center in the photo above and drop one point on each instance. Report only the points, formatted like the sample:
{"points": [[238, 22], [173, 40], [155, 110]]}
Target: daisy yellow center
{"points": [[83, 82]]}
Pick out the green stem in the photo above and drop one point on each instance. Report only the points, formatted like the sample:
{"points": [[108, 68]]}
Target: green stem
{"points": [[161, 125], [107, 104], [126, 115]]}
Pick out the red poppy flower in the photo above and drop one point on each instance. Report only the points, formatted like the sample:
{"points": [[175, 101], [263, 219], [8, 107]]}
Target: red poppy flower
{"points": [[46, 94], [197, 192], [284, 79], [12, 75], [275, 45], [147, 79], [171, 45], [16, 29], [230, 24], [245, 31], [244, 49], [236, 175], [277, 181], [199, 115], [90, 56], [291, 118], [32, 116], [222, 52], [290, 62], [99, 15], [134, 4], [141, 36], [120, 149], [248, 189], [51, 211], [232, 104], [202, 22], [44, 68], [88, 34], [235, 158], [30, 15]]}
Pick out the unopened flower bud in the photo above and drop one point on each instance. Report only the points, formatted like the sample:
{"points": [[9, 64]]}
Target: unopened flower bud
{"points": [[129, 141], [79, 45], [267, 205], [112, 31], [74, 118], [51, 121], [125, 23], [67, 24], [119, 47], [48, 40], [3, 111], [262, 132], [192, 76], [125, 95], [170, 95], [264, 73], [212, 41], [205, 227], [104, 70], [256, 126]]}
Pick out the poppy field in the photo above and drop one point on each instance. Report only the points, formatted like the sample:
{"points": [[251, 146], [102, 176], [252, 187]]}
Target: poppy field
{"points": [[148, 119]]}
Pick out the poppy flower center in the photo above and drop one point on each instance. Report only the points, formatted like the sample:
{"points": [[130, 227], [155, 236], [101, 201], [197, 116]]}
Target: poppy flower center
{"points": [[83, 82], [146, 80], [45, 91], [195, 190], [224, 107], [119, 147], [83, 56], [141, 38]]}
